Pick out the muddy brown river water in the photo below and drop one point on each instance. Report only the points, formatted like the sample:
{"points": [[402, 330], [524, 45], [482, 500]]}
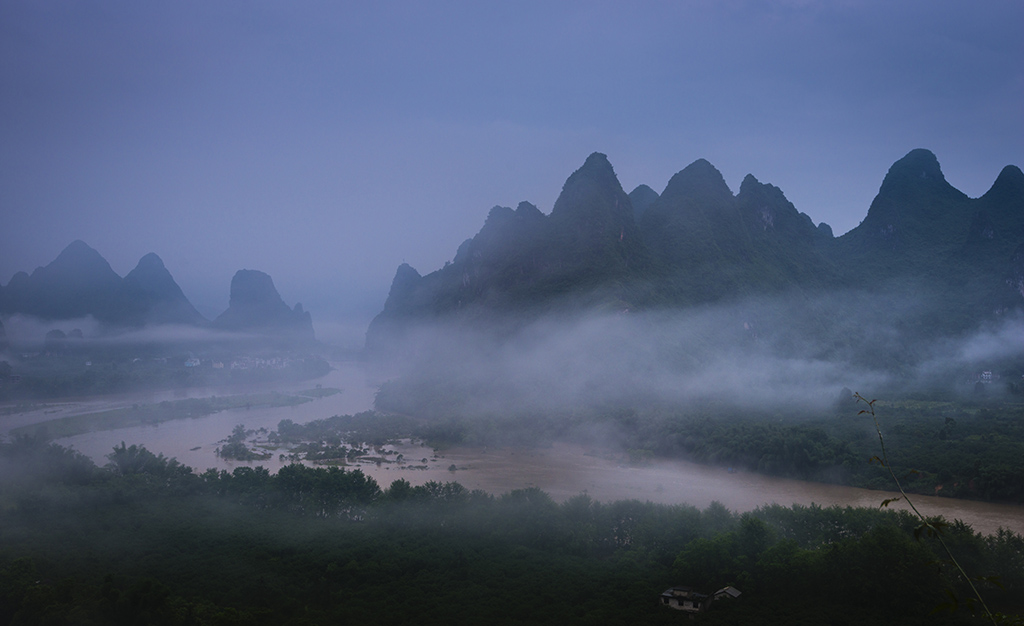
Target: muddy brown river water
{"points": [[562, 470]]}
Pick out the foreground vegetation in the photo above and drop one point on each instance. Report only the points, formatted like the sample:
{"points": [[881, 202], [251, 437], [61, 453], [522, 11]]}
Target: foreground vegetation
{"points": [[147, 540], [946, 449]]}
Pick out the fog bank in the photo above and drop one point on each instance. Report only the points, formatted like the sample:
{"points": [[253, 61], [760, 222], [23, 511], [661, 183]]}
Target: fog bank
{"points": [[786, 353]]}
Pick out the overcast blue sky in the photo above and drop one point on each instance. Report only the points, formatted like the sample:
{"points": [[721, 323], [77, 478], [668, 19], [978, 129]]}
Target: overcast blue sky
{"points": [[326, 142]]}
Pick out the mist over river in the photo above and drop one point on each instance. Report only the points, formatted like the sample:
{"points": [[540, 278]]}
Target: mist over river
{"points": [[562, 470]]}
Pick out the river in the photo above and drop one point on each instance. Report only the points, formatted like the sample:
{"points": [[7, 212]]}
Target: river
{"points": [[562, 470]]}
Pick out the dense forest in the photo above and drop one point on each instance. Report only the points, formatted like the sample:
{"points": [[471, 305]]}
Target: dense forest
{"points": [[145, 540]]}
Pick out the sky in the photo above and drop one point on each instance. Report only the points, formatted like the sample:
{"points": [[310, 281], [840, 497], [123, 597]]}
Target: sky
{"points": [[326, 142]]}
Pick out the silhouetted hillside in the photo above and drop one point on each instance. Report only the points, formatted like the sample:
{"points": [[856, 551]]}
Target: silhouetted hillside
{"points": [[696, 243], [256, 307], [80, 283], [151, 296]]}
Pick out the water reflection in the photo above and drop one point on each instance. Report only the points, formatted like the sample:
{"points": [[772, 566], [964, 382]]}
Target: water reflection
{"points": [[194, 441], [562, 470]]}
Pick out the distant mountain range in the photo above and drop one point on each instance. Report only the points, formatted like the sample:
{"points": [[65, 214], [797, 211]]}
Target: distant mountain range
{"points": [[80, 283], [698, 243]]}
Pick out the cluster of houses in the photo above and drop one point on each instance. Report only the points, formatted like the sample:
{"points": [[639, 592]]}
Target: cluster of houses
{"points": [[252, 363], [244, 363]]}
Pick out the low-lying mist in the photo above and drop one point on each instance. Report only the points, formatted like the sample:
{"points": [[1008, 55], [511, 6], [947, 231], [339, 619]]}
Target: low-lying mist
{"points": [[793, 354], [25, 332], [29, 334]]}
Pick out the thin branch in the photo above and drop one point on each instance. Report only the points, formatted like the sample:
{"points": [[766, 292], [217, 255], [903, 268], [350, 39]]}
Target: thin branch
{"points": [[932, 528]]}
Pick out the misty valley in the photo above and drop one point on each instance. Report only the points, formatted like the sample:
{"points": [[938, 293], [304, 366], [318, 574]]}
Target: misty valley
{"points": [[551, 428]]}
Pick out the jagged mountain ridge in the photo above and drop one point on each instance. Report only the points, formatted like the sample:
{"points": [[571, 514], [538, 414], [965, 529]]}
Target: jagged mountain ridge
{"points": [[80, 283], [518, 255], [750, 241], [697, 242]]}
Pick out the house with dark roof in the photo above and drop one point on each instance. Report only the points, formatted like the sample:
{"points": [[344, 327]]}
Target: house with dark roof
{"points": [[691, 601], [685, 599]]}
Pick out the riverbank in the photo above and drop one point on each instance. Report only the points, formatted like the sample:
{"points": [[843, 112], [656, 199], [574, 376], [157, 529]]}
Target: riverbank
{"points": [[562, 470], [168, 410], [565, 470]]}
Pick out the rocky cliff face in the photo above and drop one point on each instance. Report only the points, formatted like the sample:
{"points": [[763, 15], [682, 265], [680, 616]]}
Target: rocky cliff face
{"points": [[256, 307], [915, 206], [1001, 212], [1016, 277], [594, 236], [694, 228], [923, 235], [694, 222]]}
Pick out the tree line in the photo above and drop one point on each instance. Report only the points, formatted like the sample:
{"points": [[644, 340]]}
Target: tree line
{"points": [[148, 540]]}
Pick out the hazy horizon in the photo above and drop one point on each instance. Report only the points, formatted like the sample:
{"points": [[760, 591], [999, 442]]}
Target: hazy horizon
{"points": [[327, 144]]}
